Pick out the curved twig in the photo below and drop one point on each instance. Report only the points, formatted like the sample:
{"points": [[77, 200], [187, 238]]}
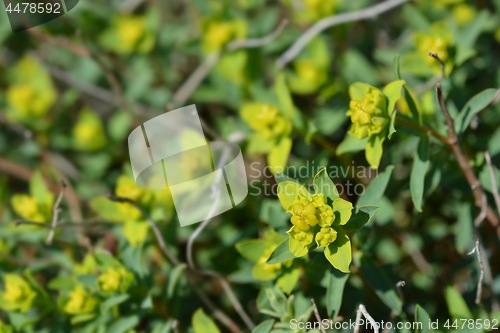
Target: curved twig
{"points": [[327, 22], [194, 80]]}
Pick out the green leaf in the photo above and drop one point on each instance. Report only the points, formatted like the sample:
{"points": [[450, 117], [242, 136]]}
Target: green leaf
{"points": [[342, 210], [136, 232], [264, 327], [252, 249], [419, 169], [107, 209], [393, 93], [82, 318], [281, 253], [374, 150], [392, 123], [457, 307], [124, 324], [203, 323], [338, 253], [416, 19], [278, 156], [421, 316], [89, 280], [412, 104], [395, 67], [288, 191], [351, 144], [463, 228], [469, 34], [473, 107], [113, 300], [376, 189], [288, 279], [323, 184], [174, 277], [335, 291], [358, 90], [360, 217], [284, 97], [277, 300], [39, 190], [380, 282]]}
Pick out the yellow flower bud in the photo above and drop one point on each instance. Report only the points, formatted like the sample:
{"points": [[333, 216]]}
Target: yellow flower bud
{"points": [[326, 236], [265, 120], [368, 115], [28, 208], [89, 131], [262, 261]]}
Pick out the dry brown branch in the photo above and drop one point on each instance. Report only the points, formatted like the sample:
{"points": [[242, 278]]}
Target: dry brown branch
{"points": [[55, 214], [316, 313], [464, 163], [441, 63]]}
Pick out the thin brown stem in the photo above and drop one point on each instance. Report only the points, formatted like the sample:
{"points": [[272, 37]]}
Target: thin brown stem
{"points": [[441, 63], [318, 318], [479, 291], [55, 214], [423, 128], [464, 163]]}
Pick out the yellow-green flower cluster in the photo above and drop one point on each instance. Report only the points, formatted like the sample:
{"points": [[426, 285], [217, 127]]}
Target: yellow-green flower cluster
{"points": [[31, 93], [313, 212], [265, 120], [369, 115], [18, 294], [36, 206], [128, 34], [88, 132], [115, 280], [29, 208], [216, 34], [80, 302]]}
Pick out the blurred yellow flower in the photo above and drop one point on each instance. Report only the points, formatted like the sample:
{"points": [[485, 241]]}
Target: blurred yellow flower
{"points": [[115, 280], [88, 132], [127, 188], [463, 14], [18, 294], [80, 302], [29, 208], [265, 120], [31, 94], [128, 34], [217, 34]]}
